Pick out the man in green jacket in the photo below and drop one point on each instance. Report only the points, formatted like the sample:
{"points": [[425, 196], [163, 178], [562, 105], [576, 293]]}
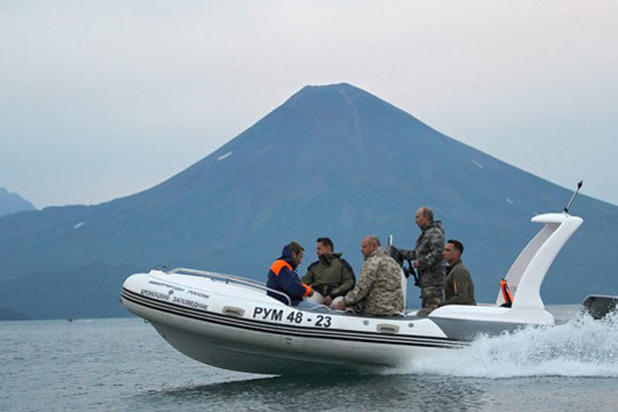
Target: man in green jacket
{"points": [[459, 288], [330, 276]]}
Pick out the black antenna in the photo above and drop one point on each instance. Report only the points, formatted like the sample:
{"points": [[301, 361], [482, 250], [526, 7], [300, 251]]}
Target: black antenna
{"points": [[579, 186]]}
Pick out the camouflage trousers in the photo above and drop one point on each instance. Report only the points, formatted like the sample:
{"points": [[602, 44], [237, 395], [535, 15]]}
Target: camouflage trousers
{"points": [[431, 297]]}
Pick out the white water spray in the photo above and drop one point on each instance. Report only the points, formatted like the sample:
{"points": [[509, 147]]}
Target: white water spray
{"points": [[581, 347]]}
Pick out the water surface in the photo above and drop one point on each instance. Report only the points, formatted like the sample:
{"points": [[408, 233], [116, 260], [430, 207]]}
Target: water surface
{"points": [[123, 364]]}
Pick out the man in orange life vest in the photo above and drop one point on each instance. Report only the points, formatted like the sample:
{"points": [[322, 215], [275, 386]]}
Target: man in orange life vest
{"points": [[283, 278]]}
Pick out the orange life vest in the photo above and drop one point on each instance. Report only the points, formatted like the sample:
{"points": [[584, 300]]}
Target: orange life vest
{"points": [[506, 294]]}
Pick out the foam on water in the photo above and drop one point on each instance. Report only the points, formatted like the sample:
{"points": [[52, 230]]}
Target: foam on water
{"points": [[581, 347]]}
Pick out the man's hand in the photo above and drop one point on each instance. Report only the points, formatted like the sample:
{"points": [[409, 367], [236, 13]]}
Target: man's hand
{"points": [[340, 305], [327, 301]]}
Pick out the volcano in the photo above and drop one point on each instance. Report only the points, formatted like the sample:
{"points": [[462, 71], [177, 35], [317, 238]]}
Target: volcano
{"points": [[331, 161]]}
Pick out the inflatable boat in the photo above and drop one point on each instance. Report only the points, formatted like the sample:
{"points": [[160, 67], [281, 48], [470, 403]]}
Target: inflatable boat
{"points": [[230, 322]]}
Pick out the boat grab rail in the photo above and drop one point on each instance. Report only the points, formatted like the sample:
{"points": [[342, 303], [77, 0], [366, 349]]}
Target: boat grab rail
{"points": [[229, 279]]}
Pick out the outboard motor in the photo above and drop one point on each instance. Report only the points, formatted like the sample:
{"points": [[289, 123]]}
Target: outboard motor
{"points": [[599, 306]]}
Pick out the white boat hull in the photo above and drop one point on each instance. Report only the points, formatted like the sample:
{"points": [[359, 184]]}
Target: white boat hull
{"points": [[240, 328]]}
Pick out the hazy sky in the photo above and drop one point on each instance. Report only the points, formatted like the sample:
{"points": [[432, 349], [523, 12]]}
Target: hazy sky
{"points": [[102, 99]]}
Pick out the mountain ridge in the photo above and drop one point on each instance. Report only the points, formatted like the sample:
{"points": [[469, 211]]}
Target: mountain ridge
{"points": [[330, 161], [13, 203]]}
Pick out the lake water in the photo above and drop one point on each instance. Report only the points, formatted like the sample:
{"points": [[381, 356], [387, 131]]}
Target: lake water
{"points": [[123, 364]]}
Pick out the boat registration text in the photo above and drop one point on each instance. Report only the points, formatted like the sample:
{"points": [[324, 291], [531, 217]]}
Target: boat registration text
{"points": [[293, 316]]}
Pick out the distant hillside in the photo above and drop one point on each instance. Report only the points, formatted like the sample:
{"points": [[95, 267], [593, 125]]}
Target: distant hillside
{"points": [[331, 161], [7, 314], [12, 202]]}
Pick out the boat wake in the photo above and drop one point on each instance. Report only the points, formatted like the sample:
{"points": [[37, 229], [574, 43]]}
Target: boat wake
{"points": [[581, 347]]}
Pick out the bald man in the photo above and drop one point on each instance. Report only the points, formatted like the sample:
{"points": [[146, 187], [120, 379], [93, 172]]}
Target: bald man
{"points": [[379, 291]]}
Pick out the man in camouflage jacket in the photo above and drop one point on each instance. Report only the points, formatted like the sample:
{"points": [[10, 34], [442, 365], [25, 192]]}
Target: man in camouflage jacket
{"points": [[428, 256], [379, 291]]}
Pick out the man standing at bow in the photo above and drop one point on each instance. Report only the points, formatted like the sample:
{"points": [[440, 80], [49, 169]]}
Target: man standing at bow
{"points": [[428, 259]]}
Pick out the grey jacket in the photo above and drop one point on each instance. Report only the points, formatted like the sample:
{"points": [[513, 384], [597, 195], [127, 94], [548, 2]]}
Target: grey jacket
{"points": [[429, 253]]}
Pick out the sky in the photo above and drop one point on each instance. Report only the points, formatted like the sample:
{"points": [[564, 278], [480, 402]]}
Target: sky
{"points": [[103, 99]]}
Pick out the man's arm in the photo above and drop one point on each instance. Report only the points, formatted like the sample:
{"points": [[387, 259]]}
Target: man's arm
{"points": [[434, 245], [289, 282], [368, 276], [461, 286], [309, 276], [348, 281], [408, 254]]}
